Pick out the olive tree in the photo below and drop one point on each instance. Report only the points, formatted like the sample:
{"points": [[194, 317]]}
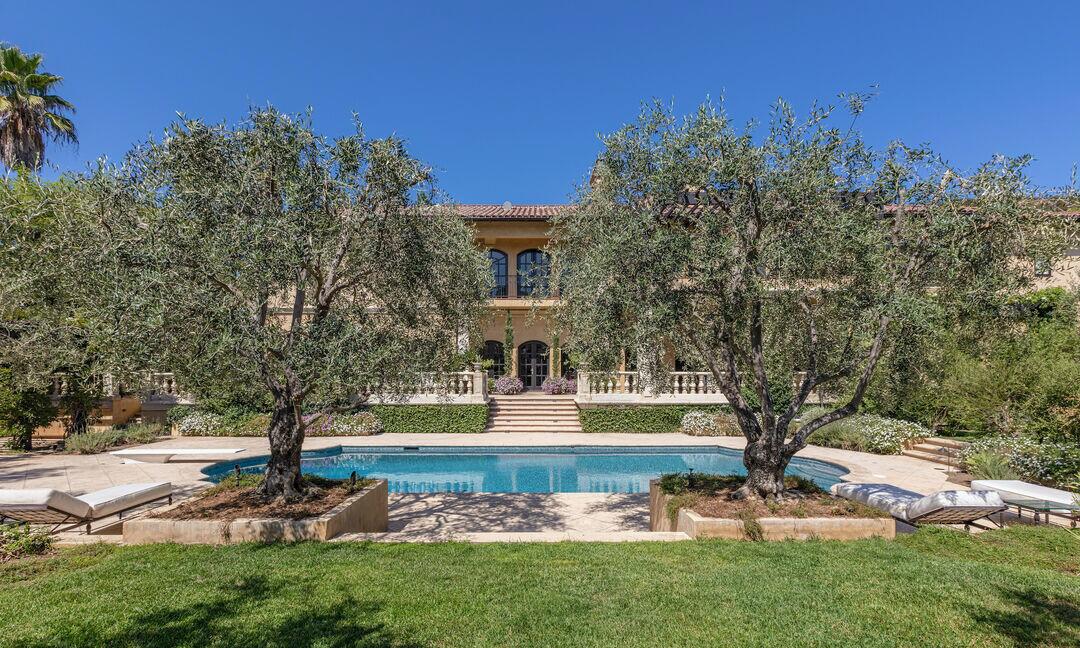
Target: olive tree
{"points": [[49, 306], [323, 271], [783, 260]]}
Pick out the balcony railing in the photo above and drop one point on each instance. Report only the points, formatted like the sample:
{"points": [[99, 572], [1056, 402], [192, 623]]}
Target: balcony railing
{"points": [[514, 286]]}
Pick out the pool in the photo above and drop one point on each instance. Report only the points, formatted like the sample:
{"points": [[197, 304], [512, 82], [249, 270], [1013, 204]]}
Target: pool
{"points": [[528, 469]]}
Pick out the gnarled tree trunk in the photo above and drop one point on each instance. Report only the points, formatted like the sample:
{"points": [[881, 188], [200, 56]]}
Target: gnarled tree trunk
{"points": [[286, 435], [765, 466]]}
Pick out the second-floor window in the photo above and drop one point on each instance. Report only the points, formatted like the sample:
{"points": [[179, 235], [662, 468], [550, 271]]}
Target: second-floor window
{"points": [[533, 268], [499, 271]]}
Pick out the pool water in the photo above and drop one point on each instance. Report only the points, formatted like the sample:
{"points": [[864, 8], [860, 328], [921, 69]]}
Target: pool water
{"points": [[531, 469]]}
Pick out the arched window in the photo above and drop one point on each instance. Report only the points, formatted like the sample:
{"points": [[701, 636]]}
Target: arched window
{"points": [[499, 271], [533, 267], [493, 351]]}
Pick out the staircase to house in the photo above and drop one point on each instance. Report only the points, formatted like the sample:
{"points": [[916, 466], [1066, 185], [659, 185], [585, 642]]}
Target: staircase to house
{"points": [[533, 412], [938, 450]]}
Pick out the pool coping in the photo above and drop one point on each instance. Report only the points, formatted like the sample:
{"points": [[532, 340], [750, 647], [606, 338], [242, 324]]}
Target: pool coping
{"points": [[226, 466]]}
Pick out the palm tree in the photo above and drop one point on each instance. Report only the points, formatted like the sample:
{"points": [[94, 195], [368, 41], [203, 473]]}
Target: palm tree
{"points": [[29, 111]]}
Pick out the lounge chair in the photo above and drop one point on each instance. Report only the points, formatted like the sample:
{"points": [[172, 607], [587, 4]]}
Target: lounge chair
{"points": [[49, 506], [1038, 499], [942, 507], [165, 455]]}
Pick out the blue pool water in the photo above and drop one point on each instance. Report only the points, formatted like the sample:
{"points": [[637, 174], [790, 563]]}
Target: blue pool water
{"points": [[531, 469]]}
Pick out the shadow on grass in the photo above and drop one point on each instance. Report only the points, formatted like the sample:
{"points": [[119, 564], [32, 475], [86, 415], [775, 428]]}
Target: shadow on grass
{"points": [[1035, 619], [219, 619]]}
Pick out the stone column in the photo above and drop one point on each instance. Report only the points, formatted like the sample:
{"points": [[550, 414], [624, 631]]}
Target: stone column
{"points": [[479, 382], [583, 383], [647, 377]]}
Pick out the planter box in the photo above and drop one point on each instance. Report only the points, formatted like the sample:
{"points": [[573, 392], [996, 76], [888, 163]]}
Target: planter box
{"points": [[366, 511], [697, 526]]}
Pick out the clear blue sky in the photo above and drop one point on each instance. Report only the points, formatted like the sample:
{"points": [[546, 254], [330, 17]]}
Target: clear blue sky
{"points": [[505, 99]]}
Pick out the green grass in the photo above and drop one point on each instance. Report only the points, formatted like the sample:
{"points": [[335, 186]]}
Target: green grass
{"points": [[935, 588]]}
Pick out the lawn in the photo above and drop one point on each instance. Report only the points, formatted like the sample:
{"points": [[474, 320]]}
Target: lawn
{"points": [[1018, 587]]}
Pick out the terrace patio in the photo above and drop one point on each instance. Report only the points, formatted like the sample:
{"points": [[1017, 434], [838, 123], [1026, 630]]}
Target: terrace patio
{"points": [[457, 516]]}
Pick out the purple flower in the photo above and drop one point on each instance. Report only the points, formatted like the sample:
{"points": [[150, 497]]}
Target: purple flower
{"points": [[507, 385]]}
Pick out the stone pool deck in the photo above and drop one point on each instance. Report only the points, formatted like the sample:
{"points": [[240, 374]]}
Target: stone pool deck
{"points": [[464, 516]]}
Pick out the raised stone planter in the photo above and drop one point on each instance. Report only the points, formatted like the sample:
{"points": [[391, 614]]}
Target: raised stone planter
{"points": [[697, 526], [365, 512]]}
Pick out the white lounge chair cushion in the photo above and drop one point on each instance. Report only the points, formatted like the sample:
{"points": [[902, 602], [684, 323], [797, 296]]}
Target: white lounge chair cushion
{"points": [[1015, 489], [42, 499], [888, 498], [107, 501], [943, 506]]}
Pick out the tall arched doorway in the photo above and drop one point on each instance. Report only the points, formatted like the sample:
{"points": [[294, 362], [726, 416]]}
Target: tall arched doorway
{"points": [[533, 363]]}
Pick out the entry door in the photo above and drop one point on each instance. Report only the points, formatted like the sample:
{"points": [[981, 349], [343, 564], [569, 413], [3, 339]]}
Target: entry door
{"points": [[533, 363]]}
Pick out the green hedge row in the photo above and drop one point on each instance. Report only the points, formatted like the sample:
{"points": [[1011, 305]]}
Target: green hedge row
{"points": [[460, 419], [648, 418]]}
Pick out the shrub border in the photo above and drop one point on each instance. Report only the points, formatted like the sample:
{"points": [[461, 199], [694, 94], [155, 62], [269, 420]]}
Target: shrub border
{"points": [[641, 419]]}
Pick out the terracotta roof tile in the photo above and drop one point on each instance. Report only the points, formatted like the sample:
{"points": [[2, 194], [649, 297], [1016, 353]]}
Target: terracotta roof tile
{"points": [[512, 212]]}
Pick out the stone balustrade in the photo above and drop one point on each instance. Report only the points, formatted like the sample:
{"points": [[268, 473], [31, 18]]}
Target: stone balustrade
{"points": [[162, 386], [456, 387], [630, 388], [60, 385]]}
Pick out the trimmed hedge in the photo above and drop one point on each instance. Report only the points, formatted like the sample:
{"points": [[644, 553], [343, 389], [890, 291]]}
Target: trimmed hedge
{"points": [[394, 418], [643, 418], [436, 419]]}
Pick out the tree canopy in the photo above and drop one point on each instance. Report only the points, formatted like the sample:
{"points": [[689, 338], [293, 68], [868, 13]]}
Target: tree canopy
{"points": [[265, 254], [783, 260]]}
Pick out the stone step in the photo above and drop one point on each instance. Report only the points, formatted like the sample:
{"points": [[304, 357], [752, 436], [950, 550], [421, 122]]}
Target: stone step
{"points": [[946, 443], [533, 408], [946, 451], [516, 536], [541, 413], [533, 398], [536, 402], [544, 412], [566, 429], [541, 422], [514, 418], [536, 427], [930, 456], [534, 423]]}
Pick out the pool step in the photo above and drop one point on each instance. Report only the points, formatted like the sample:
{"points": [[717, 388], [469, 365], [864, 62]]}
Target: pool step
{"points": [[533, 413]]}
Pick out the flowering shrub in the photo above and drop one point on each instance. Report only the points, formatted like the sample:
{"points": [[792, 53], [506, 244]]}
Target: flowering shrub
{"points": [[698, 423], [1053, 463], [360, 424], [508, 385], [866, 433], [198, 423], [553, 386], [890, 436]]}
